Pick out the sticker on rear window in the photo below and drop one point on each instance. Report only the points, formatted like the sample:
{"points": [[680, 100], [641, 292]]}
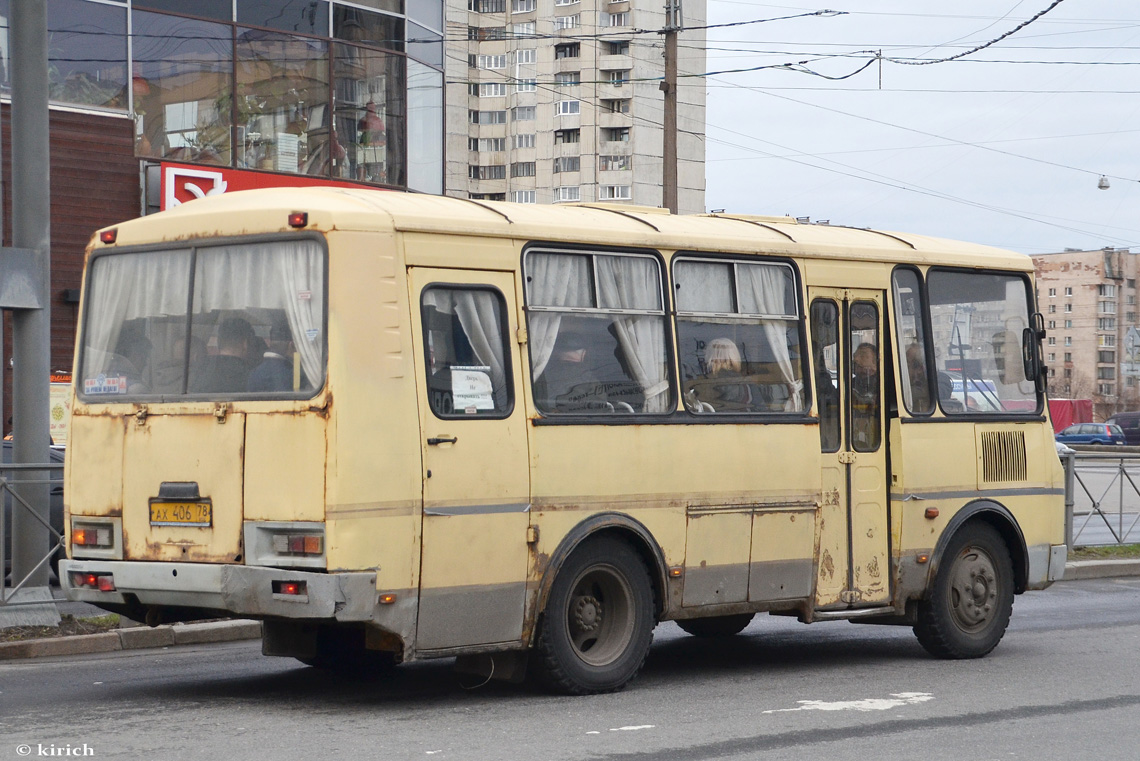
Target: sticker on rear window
{"points": [[101, 384]]}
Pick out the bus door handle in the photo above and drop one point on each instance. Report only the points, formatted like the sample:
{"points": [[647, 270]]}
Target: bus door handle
{"points": [[435, 441]]}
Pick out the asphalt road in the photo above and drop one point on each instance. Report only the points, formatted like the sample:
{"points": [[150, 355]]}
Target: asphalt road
{"points": [[1064, 684]]}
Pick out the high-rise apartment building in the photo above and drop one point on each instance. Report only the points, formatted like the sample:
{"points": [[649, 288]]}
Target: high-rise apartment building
{"points": [[560, 100], [1088, 300]]}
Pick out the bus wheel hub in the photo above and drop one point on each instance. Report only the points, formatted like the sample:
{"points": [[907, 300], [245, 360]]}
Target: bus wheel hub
{"points": [[587, 613]]}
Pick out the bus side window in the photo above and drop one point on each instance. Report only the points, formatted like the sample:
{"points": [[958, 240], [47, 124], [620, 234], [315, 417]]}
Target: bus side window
{"points": [[466, 351]]}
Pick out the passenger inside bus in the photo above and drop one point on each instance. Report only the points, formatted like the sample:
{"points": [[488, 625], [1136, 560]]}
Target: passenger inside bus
{"points": [[865, 398], [133, 350], [568, 383], [228, 370], [723, 387], [275, 370], [919, 383]]}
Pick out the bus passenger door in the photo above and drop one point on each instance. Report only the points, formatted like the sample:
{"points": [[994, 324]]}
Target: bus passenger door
{"points": [[474, 553], [854, 560]]}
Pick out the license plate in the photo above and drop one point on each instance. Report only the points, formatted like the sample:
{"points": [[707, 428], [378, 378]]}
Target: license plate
{"points": [[180, 513]]}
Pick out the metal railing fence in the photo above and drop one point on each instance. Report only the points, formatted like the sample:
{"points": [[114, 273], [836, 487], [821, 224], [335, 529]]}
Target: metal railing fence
{"points": [[12, 501], [1102, 498]]}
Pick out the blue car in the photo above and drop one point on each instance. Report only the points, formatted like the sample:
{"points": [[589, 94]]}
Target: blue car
{"points": [[1091, 433]]}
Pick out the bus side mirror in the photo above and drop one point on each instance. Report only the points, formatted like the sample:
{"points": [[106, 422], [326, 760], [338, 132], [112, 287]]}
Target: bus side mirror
{"points": [[1031, 356]]}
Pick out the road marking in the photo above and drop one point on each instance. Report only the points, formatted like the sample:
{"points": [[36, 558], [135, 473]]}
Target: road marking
{"points": [[633, 728], [896, 700]]}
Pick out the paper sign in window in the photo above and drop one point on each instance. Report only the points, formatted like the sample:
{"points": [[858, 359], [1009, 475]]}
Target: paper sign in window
{"points": [[471, 388]]}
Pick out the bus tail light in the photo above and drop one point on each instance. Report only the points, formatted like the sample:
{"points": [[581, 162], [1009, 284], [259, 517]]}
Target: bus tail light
{"points": [[298, 544], [92, 537], [291, 588], [104, 582], [299, 219]]}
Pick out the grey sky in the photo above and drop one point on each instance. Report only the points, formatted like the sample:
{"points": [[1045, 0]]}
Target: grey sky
{"points": [[923, 154]]}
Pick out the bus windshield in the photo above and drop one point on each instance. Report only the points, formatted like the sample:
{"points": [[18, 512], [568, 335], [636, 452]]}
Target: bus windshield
{"points": [[976, 322], [242, 320]]}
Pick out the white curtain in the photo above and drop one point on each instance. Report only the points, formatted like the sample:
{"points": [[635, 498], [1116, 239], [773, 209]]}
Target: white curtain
{"points": [[286, 275], [626, 282], [129, 286], [762, 291], [553, 280], [479, 316]]}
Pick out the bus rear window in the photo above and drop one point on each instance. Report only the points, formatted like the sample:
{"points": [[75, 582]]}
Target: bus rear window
{"points": [[976, 322], [243, 320]]}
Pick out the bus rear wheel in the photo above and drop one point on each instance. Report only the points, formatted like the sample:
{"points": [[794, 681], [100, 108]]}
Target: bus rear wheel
{"points": [[716, 626], [968, 609], [598, 623]]}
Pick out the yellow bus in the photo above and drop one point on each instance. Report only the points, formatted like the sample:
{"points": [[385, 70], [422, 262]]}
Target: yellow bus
{"points": [[396, 427]]}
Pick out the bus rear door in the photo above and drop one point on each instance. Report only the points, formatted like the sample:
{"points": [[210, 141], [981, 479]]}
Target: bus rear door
{"points": [[476, 474]]}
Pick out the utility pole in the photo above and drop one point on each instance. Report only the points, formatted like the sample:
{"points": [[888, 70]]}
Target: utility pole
{"points": [[669, 87]]}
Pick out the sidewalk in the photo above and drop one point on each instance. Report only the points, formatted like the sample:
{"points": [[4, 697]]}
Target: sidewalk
{"points": [[229, 631]]}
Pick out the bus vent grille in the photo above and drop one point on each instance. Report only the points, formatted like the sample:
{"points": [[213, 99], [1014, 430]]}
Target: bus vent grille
{"points": [[1003, 456]]}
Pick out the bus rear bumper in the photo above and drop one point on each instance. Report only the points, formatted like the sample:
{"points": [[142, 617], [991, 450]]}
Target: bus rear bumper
{"points": [[256, 592], [1046, 564]]}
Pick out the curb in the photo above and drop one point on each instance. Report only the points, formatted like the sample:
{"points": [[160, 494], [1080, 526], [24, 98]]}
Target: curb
{"points": [[132, 639], [1100, 569]]}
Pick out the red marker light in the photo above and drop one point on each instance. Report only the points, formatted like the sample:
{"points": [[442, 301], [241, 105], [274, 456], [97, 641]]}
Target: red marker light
{"points": [[299, 219], [109, 236]]}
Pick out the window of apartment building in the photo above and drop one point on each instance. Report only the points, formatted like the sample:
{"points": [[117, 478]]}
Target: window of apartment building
{"points": [[1107, 307], [1130, 282], [487, 6], [567, 164], [492, 172], [1068, 356], [486, 144], [525, 55], [1068, 340], [484, 33], [1052, 372], [526, 85], [523, 196], [1052, 309], [615, 105], [1052, 324], [1068, 372], [1106, 373], [572, 193], [525, 29], [487, 196], [522, 169], [491, 62], [1068, 323], [1106, 340], [1068, 307], [1052, 291], [568, 22], [1106, 323], [615, 134], [1130, 316], [1052, 357], [522, 141], [567, 50], [1068, 290], [614, 193], [616, 19], [1106, 290], [1052, 340], [522, 114], [566, 2], [617, 48], [472, 61], [1106, 356], [523, 6], [616, 77], [562, 136], [492, 89], [568, 78], [1105, 389], [567, 107], [615, 163], [488, 117]]}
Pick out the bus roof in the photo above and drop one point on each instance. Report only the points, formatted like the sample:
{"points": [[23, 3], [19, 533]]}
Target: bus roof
{"points": [[329, 208]]}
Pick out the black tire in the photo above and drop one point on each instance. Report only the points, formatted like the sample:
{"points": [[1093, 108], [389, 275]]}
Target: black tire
{"points": [[341, 650], [971, 600], [716, 626], [598, 623]]}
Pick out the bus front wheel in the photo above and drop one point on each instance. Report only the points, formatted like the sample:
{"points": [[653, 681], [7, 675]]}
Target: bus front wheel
{"points": [[968, 608], [598, 624]]}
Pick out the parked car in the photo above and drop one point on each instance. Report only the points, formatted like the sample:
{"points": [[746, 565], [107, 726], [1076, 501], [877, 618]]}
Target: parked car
{"points": [[1091, 433], [1129, 422], [55, 505]]}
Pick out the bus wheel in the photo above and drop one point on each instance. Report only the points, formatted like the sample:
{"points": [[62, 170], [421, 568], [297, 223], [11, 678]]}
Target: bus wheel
{"points": [[716, 626], [595, 632], [969, 605]]}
